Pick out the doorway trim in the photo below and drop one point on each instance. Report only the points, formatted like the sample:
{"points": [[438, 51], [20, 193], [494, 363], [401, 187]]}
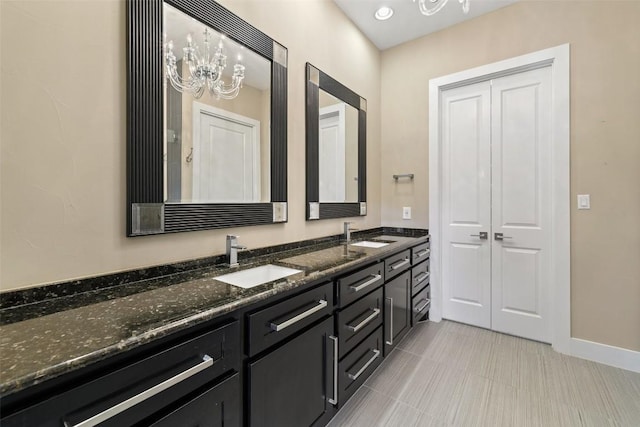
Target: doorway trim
{"points": [[558, 59]]}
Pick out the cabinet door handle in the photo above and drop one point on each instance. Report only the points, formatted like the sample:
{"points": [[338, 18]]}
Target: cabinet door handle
{"points": [[334, 400], [420, 277], [390, 342], [423, 253], [207, 361], [280, 326], [500, 236], [362, 324], [364, 284], [376, 354], [398, 264], [425, 305]]}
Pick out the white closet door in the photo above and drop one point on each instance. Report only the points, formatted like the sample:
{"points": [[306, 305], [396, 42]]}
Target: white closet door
{"points": [[521, 204], [466, 209]]}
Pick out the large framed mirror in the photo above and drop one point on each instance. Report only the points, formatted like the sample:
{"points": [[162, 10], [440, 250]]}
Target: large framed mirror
{"points": [[336, 134], [206, 119]]}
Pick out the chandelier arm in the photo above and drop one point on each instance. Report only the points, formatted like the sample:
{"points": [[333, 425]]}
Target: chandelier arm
{"points": [[428, 11]]}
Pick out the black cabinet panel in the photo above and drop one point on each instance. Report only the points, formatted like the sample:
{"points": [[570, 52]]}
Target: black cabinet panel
{"points": [[355, 285], [359, 320], [397, 310], [358, 365], [271, 325], [219, 406], [396, 264], [289, 386]]}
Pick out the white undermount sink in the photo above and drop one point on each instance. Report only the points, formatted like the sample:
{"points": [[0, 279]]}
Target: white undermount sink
{"points": [[257, 276], [370, 244]]}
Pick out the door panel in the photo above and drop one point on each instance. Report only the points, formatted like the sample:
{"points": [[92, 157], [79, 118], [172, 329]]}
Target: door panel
{"points": [[467, 266], [331, 150], [521, 206], [288, 387], [466, 205]]}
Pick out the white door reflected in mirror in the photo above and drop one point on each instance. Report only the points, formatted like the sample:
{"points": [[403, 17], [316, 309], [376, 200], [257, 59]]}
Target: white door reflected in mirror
{"points": [[338, 150]]}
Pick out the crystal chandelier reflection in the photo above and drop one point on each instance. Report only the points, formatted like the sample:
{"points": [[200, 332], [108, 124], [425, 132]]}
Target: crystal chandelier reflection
{"points": [[205, 72], [431, 7]]}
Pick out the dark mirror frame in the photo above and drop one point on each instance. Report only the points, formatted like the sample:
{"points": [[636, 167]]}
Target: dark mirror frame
{"points": [[317, 80], [147, 212]]}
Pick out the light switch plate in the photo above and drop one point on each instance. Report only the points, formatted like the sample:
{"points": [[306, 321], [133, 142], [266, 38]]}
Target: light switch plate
{"points": [[584, 201], [406, 212]]}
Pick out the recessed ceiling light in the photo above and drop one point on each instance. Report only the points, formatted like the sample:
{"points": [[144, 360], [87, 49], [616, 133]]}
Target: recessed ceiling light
{"points": [[383, 13]]}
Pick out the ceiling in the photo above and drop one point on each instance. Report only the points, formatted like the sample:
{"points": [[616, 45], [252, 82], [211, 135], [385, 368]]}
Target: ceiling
{"points": [[407, 23]]}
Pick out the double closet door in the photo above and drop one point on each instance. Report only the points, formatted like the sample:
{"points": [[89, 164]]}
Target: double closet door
{"points": [[496, 203]]}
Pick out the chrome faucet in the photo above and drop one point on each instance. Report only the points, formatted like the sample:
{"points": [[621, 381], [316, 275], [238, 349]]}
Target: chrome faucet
{"points": [[232, 250], [347, 232]]}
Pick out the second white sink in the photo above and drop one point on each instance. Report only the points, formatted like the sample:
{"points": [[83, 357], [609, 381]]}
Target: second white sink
{"points": [[257, 276], [370, 244]]}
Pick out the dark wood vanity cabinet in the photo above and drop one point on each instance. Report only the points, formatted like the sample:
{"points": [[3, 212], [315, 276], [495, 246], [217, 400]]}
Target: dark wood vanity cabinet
{"points": [[420, 288], [290, 360], [292, 378]]}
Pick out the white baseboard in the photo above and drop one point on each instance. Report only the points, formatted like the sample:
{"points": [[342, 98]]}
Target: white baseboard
{"points": [[607, 354]]}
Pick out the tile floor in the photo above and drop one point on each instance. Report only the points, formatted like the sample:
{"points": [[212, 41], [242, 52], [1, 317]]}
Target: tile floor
{"points": [[450, 374]]}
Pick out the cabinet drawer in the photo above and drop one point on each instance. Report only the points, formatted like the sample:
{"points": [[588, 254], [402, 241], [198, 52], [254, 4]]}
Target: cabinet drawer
{"points": [[135, 392], [420, 253], [359, 365], [279, 321], [357, 284], [421, 304], [419, 277], [396, 264], [359, 320]]}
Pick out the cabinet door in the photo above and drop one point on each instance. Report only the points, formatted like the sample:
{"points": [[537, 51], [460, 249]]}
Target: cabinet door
{"points": [[291, 385], [397, 310], [217, 407]]}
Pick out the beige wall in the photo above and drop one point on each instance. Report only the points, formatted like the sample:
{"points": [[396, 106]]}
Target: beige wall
{"points": [[605, 139], [63, 135]]}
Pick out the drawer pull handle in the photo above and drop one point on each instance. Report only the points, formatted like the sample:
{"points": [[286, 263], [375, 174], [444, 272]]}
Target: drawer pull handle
{"points": [[207, 361], [376, 354], [362, 324], [397, 265], [420, 277], [374, 279], [334, 400], [390, 341], [280, 326], [423, 253], [426, 304]]}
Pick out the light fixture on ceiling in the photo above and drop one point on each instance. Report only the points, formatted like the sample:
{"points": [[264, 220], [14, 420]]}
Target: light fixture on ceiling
{"points": [[205, 72], [383, 13], [431, 7]]}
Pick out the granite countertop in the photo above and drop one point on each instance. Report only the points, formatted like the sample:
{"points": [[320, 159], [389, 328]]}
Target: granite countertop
{"points": [[106, 321]]}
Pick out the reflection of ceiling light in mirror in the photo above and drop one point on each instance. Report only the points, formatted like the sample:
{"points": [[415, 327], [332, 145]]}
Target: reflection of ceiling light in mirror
{"points": [[205, 70], [431, 7], [383, 13]]}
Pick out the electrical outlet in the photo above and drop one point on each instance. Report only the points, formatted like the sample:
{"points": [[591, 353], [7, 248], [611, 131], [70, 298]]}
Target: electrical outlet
{"points": [[406, 212], [584, 201]]}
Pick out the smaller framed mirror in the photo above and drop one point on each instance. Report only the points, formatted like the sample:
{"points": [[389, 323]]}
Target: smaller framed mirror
{"points": [[336, 139]]}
